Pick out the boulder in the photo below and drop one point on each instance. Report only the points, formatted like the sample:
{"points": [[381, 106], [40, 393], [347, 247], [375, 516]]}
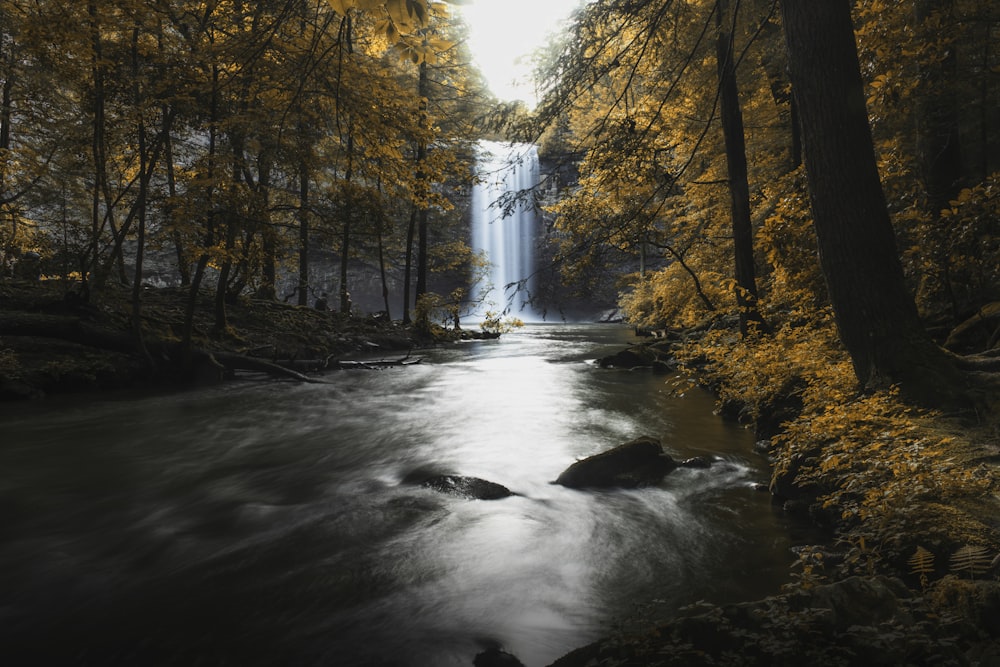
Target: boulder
{"points": [[473, 488], [633, 357], [640, 356], [640, 462]]}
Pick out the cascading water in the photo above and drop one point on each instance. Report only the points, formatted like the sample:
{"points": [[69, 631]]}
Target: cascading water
{"points": [[505, 228]]}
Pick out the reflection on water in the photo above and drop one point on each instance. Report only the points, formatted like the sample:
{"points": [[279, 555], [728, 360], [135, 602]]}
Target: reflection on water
{"points": [[267, 523]]}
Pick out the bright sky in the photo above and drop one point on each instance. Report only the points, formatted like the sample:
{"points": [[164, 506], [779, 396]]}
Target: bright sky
{"points": [[502, 32]]}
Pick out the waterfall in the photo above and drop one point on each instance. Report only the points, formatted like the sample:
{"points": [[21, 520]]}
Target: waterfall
{"points": [[505, 230]]}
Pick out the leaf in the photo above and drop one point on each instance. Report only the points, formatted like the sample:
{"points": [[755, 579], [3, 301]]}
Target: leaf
{"points": [[973, 559], [342, 6], [921, 562], [408, 15]]}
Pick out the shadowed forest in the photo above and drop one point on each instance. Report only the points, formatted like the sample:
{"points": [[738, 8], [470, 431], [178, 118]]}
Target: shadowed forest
{"points": [[797, 203]]}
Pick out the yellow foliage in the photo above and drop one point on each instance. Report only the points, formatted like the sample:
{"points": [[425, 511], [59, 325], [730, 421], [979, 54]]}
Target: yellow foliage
{"points": [[888, 468]]}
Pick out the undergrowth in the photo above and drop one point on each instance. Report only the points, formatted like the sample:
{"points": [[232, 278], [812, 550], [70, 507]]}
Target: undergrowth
{"points": [[887, 476]]}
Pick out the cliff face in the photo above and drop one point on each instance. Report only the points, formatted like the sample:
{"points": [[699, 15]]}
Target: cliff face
{"points": [[595, 293]]}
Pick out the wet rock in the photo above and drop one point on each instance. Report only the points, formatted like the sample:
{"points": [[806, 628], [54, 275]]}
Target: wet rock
{"points": [[473, 488], [633, 357], [699, 462], [640, 462], [656, 356], [495, 657], [612, 316]]}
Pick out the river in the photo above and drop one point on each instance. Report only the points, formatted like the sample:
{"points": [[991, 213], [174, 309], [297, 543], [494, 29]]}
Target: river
{"points": [[267, 523]]}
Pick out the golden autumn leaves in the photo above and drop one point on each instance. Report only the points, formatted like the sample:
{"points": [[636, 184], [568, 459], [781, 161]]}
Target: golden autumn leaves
{"points": [[404, 24]]}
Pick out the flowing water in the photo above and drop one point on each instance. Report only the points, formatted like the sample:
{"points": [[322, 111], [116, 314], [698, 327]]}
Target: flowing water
{"points": [[267, 523]]}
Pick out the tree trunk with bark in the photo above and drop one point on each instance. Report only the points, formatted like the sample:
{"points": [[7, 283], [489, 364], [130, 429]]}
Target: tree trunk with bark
{"points": [[874, 310], [739, 186], [422, 179], [303, 232]]}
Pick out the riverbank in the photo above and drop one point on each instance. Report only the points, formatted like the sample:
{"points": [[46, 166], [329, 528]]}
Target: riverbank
{"points": [[51, 342], [907, 497]]}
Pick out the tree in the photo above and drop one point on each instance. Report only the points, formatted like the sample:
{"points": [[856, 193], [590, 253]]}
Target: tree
{"points": [[736, 166], [875, 313], [652, 89]]}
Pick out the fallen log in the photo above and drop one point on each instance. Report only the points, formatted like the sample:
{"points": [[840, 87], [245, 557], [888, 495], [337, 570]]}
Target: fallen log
{"points": [[374, 365], [234, 362]]}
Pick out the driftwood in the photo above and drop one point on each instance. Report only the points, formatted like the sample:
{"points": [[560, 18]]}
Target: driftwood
{"points": [[239, 362], [331, 364], [373, 365]]}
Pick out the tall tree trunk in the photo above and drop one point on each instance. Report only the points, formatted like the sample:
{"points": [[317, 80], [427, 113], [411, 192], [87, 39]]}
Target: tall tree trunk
{"points": [[145, 170], [6, 119], [6, 109], [938, 147], [739, 187], [796, 156], [875, 313], [305, 154], [183, 260], [381, 268], [987, 110], [269, 261], [97, 143], [232, 232], [422, 263], [411, 229], [209, 240], [303, 232], [938, 144], [423, 188], [775, 64], [348, 214]]}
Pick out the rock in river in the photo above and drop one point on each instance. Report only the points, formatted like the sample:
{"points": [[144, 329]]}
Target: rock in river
{"points": [[466, 487], [640, 462]]}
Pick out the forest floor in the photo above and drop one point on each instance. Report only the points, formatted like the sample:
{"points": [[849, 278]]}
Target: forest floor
{"points": [[51, 342], [907, 576]]}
